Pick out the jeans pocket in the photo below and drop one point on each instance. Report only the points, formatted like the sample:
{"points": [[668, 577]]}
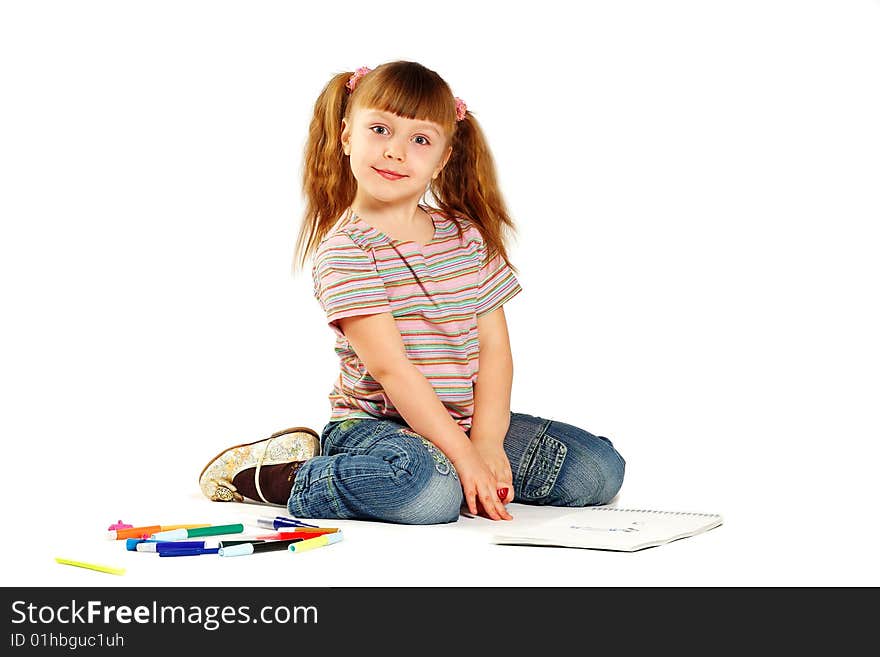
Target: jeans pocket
{"points": [[545, 457]]}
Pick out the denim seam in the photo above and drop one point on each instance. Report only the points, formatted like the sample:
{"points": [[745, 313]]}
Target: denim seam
{"points": [[559, 459], [440, 459], [297, 494], [332, 496], [544, 491], [356, 450], [602, 481], [529, 456], [396, 467]]}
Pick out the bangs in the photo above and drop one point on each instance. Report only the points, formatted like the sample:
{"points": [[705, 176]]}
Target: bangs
{"points": [[409, 90]]}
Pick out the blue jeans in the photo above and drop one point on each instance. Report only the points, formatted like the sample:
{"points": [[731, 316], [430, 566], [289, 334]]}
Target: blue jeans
{"points": [[380, 469]]}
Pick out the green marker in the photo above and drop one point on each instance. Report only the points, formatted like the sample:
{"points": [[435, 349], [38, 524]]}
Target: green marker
{"points": [[214, 530]]}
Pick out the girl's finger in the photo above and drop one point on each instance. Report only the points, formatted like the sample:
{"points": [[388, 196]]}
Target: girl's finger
{"points": [[471, 502], [493, 507], [502, 511], [487, 506]]}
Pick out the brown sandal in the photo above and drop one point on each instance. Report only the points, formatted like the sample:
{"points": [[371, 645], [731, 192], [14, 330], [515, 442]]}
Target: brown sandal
{"points": [[293, 444]]}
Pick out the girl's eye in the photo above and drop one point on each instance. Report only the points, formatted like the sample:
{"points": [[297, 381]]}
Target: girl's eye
{"points": [[382, 127]]}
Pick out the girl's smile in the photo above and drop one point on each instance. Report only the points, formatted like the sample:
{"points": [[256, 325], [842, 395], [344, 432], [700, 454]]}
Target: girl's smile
{"points": [[388, 175]]}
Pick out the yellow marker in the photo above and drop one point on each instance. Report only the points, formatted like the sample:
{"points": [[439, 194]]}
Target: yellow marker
{"points": [[91, 566], [318, 541]]}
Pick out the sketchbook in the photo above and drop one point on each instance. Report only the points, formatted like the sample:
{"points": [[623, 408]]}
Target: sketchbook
{"points": [[611, 528]]}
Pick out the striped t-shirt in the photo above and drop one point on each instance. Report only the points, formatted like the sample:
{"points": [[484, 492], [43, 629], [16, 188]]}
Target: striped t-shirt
{"points": [[434, 292]]}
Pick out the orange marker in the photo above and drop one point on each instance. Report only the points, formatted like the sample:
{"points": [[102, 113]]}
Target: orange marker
{"points": [[139, 532]]}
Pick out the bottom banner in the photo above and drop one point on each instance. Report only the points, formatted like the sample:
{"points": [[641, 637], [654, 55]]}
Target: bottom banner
{"points": [[112, 620]]}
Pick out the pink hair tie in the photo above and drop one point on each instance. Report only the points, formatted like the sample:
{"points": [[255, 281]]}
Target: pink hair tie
{"points": [[355, 78], [460, 109]]}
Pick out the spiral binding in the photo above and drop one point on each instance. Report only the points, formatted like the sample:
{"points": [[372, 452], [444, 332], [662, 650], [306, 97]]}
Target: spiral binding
{"points": [[664, 513]]}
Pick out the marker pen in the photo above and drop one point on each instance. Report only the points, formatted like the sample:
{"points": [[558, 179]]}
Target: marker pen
{"points": [[278, 522], [133, 532], [252, 548], [120, 525], [231, 543], [207, 530], [170, 546], [140, 532], [91, 566], [295, 521], [158, 546], [188, 552], [299, 532], [318, 541]]}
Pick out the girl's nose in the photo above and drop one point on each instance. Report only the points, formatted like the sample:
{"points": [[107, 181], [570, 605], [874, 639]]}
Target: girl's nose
{"points": [[394, 150]]}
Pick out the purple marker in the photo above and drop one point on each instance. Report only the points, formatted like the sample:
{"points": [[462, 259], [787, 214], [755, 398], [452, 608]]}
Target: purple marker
{"points": [[297, 523], [279, 522]]}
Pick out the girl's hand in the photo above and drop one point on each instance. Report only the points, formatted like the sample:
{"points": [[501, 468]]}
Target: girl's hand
{"points": [[495, 457], [478, 483]]}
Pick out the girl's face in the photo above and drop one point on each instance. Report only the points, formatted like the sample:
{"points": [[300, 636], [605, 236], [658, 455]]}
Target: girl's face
{"points": [[377, 140]]}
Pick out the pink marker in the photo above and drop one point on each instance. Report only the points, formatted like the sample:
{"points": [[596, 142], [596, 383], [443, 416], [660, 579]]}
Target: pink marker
{"points": [[119, 525]]}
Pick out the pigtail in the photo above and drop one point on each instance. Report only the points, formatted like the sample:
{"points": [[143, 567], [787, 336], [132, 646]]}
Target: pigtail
{"points": [[328, 185], [468, 185]]}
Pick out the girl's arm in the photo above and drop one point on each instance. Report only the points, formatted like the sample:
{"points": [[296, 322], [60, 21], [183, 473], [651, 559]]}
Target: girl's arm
{"points": [[377, 342], [492, 399], [495, 379]]}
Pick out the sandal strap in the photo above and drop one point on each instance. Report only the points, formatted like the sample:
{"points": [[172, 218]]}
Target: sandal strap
{"points": [[257, 473], [265, 451]]}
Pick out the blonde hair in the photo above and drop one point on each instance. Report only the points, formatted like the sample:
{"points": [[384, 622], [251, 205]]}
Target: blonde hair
{"points": [[467, 186]]}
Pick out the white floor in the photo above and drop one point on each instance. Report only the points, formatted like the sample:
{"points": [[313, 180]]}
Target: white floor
{"points": [[755, 546]]}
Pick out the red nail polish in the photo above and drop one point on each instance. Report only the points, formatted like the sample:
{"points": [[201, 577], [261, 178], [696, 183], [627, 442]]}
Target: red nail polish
{"points": [[502, 493]]}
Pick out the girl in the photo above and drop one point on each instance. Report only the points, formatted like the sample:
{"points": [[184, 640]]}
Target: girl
{"points": [[420, 419]]}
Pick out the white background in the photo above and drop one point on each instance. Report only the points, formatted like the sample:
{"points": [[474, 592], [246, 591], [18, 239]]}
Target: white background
{"points": [[696, 190]]}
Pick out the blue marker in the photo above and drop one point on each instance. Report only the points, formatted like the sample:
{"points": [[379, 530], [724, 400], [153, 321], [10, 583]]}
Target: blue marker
{"points": [[298, 523], [279, 522], [188, 552], [158, 546], [132, 543], [171, 546]]}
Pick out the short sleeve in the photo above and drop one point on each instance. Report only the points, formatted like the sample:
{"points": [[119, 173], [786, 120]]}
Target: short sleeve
{"points": [[346, 281], [497, 283]]}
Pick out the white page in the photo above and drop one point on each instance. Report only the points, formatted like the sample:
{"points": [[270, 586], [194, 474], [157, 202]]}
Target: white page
{"points": [[609, 528]]}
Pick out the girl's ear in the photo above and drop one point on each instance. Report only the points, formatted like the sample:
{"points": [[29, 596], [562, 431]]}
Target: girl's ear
{"points": [[345, 136], [443, 164]]}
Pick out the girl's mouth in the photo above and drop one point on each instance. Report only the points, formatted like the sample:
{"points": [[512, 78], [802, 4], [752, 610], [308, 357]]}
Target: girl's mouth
{"points": [[387, 176]]}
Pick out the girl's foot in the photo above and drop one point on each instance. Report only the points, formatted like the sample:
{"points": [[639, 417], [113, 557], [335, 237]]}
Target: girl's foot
{"points": [[262, 471]]}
